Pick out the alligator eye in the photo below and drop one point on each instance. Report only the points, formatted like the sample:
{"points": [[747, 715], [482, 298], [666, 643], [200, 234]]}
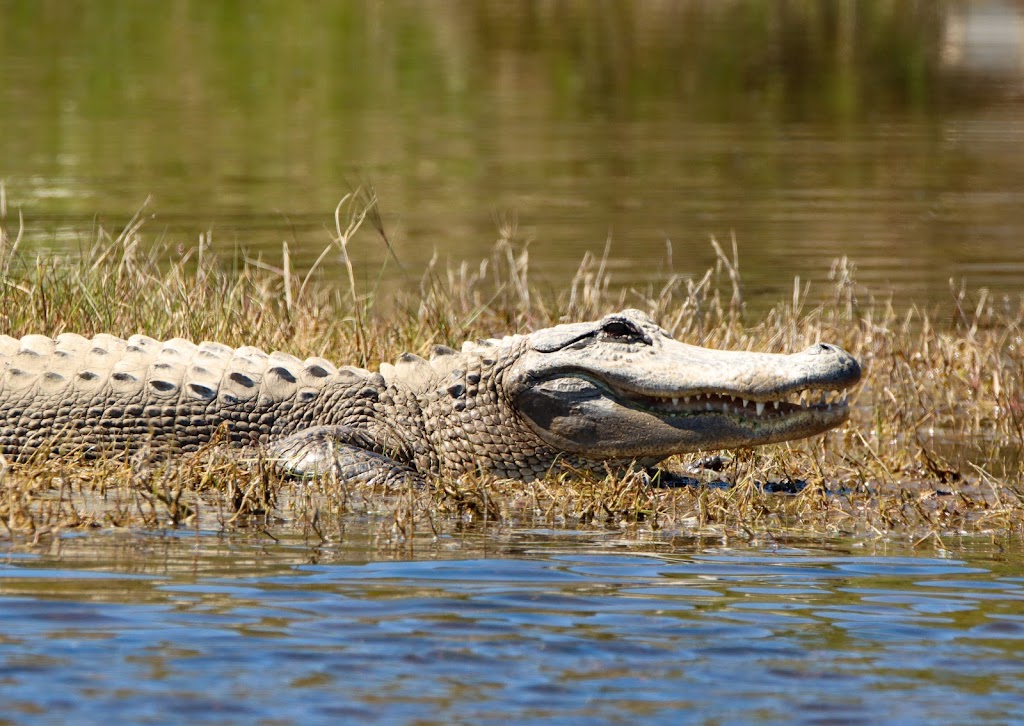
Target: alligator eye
{"points": [[622, 329]]}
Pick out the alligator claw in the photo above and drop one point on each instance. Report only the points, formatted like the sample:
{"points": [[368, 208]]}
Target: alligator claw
{"points": [[661, 479], [786, 486], [709, 463]]}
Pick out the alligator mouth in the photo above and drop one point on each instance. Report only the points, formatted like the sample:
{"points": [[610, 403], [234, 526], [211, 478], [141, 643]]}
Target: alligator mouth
{"points": [[815, 400], [585, 414], [805, 401]]}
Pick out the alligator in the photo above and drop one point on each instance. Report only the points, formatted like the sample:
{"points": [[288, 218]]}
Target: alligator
{"points": [[612, 394]]}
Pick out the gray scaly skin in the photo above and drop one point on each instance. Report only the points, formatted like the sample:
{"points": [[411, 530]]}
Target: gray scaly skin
{"points": [[616, 392]]}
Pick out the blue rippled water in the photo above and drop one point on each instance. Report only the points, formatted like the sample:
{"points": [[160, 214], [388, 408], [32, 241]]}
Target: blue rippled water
{"points": [[540, 626]]}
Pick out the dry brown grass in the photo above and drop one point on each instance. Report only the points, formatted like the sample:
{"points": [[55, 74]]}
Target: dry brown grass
{"points": [[933, 448]]}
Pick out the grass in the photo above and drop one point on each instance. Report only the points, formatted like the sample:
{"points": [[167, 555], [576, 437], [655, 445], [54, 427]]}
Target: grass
{"points": [[932, 451]]}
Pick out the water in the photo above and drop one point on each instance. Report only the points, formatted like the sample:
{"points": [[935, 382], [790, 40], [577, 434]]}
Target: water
{"points": [[541, 626], [887, 132]]}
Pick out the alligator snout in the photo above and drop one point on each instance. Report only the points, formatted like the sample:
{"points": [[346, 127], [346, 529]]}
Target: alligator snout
{"points": [[846, 368]]}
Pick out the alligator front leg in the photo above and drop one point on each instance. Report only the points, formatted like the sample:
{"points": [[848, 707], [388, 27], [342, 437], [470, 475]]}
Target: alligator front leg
{"points": [[351, 455]]}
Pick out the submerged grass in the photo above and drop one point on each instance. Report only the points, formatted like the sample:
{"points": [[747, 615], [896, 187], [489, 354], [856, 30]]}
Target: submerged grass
{"points": [[933, 448]]}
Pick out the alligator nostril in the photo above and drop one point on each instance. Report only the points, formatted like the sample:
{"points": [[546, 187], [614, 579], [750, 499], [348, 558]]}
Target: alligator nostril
{"points": [[822, 348]]}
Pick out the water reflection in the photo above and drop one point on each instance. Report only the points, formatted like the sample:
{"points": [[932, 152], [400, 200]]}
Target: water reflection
{"points": [[883, 131], [567, 629]]}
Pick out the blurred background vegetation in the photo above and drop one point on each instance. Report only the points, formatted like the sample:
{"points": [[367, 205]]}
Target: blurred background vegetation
{"points": [[886, 130]]}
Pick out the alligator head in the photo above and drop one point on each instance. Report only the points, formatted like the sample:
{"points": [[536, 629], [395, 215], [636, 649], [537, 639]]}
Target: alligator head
{"points": [[622, 388]]}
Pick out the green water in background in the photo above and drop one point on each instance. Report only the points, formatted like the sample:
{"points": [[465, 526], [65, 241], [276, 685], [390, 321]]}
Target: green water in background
{"points": [[890, 132]]}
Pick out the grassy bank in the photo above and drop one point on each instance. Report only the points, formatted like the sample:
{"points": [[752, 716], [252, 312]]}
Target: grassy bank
{"points": [[932, 451]]}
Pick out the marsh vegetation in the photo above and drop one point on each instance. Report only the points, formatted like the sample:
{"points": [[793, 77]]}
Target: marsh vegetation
{"points": [[932, 450]]}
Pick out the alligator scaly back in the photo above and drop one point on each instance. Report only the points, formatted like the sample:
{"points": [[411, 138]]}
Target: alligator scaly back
{"points": [[109, 394]]}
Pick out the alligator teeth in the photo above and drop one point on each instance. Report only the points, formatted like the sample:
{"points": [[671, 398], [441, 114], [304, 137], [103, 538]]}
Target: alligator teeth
{"points": [[720, 403]]}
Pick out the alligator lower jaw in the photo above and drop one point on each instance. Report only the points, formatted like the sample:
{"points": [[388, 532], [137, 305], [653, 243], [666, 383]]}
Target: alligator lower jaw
{"points": [[701, 404]]}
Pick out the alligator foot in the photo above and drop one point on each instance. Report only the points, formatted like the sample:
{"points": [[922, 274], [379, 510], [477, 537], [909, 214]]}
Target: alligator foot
{"points": [[661, 479], [709, 463], [344, 452], [785, 486]]}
